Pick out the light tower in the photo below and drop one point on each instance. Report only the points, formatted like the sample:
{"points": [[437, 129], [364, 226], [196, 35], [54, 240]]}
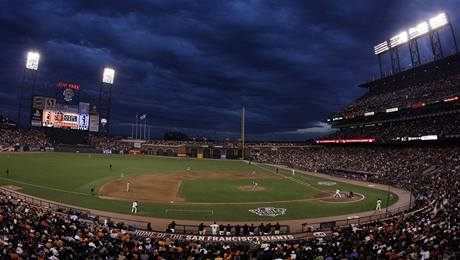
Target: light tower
{"points": [[29, 78], [105, 104], [430, 28]]}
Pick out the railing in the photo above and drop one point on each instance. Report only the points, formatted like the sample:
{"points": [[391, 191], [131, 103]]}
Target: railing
{"points": [[388, 214], [193, 229]]}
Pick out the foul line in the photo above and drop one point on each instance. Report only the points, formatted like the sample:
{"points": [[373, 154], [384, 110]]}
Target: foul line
{"points": [[290, 178], [44, 187]]}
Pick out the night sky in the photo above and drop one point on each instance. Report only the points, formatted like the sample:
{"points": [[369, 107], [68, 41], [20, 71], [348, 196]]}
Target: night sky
{"points": [[191, 65]]}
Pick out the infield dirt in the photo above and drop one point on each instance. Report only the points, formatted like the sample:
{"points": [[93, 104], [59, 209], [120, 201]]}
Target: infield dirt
{"points": [[163, 187]]}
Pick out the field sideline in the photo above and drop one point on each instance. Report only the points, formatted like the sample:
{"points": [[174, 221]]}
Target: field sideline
{"points": [[68, 178]]}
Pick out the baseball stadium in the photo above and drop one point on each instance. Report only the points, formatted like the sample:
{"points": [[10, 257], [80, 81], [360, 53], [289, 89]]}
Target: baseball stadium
{"points": [[380, 179]]}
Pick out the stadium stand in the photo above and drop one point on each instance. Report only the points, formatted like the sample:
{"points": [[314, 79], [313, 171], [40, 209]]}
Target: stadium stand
{"points": [[430, 170], [432, 232], [423, 101]]}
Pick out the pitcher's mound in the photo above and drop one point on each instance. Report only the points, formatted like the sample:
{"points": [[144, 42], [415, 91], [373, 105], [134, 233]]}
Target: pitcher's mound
{"points": [[251, 188]]}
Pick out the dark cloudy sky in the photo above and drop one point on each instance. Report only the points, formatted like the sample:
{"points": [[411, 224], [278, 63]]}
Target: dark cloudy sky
{"points": [[191, 65]]}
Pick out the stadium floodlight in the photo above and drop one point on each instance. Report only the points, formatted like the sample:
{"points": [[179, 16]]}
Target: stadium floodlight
{"points": [[382, 47], [399, 39], [419, 30], [108, 76], [438, 21], [33, 58]]}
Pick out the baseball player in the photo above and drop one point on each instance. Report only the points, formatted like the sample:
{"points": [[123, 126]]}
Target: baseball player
{"points": [[134, 207], [254, 185], [189, 168], [128, 184], [214, 228], [293, 172], [379, 205], [337, 194], [201, 229]]}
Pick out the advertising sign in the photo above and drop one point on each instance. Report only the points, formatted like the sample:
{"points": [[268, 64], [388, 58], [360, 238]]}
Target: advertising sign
{"points": [[94, 123]]}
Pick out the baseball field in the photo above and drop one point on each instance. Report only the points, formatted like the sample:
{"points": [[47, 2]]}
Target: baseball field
{"points": [[220, 190]]}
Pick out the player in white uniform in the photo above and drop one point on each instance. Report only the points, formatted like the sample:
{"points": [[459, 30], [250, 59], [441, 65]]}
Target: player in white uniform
{"points": [[337, 194], [214, 228], [128, 184], [293, 172], [379, 205], [134, 207], [254, 185]]}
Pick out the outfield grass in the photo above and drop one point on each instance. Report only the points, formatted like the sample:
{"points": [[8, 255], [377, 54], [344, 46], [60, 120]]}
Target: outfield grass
{"points": [[67, 178]]}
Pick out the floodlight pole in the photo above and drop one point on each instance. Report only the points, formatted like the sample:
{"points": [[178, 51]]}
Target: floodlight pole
{"points": [[25, 77], [109, 108], [34, 80], [414, 52], [395, 63], [436, 45], [453, 37], [453, 34], [109, 105], [379, 57], [21, 96]]}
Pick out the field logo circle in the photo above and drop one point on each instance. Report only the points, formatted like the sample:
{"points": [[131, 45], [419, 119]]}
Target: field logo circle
{"points": [[327, 183], [268, 211]]}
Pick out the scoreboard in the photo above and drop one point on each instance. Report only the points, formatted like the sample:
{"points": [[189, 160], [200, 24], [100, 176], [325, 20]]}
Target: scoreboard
{"points": [[46, 112]]}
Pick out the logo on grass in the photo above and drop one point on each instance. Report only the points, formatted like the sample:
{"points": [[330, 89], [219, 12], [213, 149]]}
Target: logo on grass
{"points": [[327, 183], [269, 211]]}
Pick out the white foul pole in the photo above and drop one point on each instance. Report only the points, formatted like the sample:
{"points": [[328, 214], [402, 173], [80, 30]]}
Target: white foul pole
{"points": [[136, 125]]}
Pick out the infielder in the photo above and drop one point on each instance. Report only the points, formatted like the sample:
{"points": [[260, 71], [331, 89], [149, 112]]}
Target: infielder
{"points": [[254, 185], [337, 194], [379, 205], [127, 186], [293, 172], [134, 207]]}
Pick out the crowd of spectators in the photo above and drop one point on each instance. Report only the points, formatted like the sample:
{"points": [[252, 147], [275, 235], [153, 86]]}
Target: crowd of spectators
{"points": [[431, 173], [105, 142], [423, 92], [23, 139], [442, 126]]}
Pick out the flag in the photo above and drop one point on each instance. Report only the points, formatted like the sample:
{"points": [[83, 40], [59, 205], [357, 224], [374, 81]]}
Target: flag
{"points": [[143, 116]]}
